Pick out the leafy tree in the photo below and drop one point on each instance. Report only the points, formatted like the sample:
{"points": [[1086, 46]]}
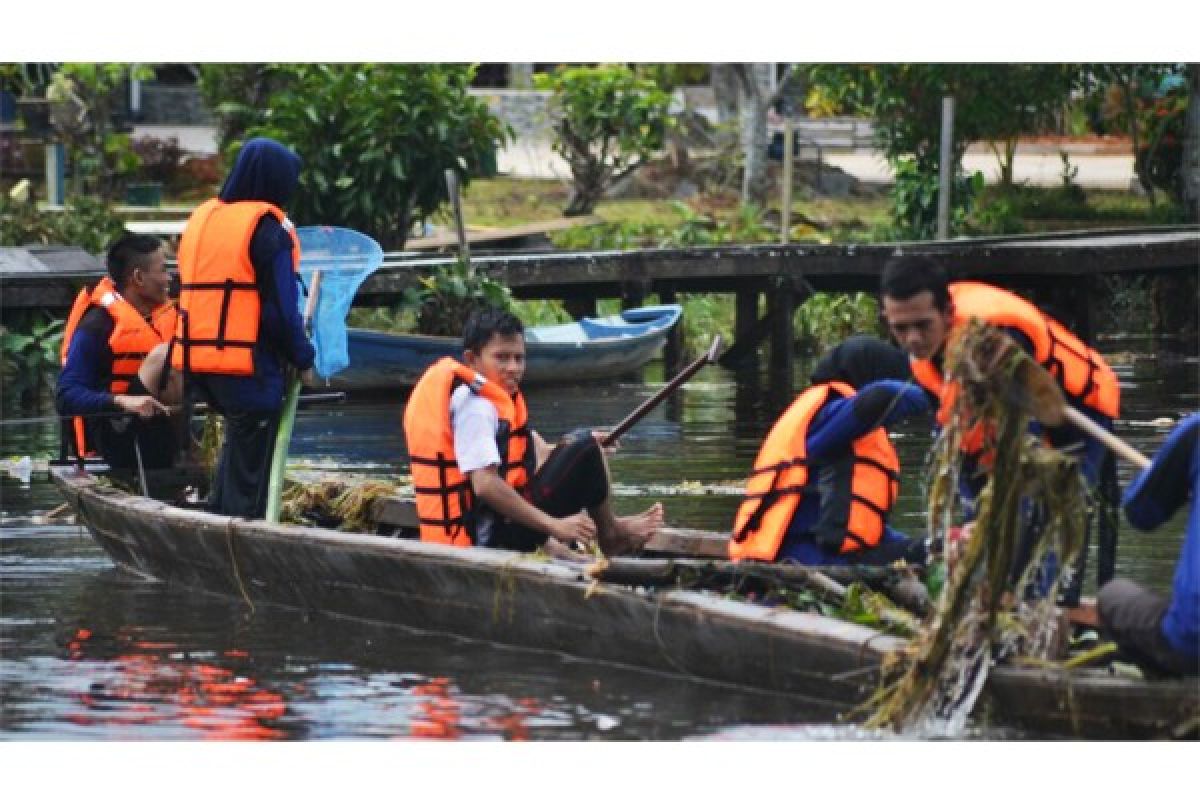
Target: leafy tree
{"points": [[1137, 88], [610, 122], [743, 91], [1191, 147], [85, 100], [236, 94], [905, 101], [376, 140]]}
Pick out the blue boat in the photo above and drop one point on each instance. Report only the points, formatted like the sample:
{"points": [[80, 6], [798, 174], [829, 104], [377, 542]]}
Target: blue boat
{"points": [[590, 349]]}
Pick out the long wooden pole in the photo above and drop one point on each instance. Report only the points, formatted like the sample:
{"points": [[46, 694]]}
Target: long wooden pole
{"points": [[287, 418], [1118, 446], [649, 405]]}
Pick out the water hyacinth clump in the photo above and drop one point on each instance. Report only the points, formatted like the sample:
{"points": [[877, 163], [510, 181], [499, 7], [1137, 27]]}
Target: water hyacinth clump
{"points": [[991, 607]]}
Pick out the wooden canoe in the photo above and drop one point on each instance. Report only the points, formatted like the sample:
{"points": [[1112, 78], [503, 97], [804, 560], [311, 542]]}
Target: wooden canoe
{"points": [[590, 349], [550, 605]]}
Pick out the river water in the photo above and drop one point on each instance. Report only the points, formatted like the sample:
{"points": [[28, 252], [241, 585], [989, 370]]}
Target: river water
{"points": [[88, 652]]}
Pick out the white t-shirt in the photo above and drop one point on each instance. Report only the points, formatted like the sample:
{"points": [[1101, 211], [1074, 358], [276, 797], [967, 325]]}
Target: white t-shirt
{"points": [[475, 423]]}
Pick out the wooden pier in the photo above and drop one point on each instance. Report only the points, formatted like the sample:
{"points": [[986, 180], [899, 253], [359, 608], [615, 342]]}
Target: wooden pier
{"points": [[1061, 270]]}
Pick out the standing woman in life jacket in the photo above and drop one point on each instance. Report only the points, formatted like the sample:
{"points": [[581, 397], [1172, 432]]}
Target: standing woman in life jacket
{"points": [[240, 322], [114, 350], [827, 475]]}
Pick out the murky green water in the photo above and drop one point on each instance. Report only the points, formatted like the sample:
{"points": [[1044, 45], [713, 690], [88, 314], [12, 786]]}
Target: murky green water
{"points": [[89, 652]]}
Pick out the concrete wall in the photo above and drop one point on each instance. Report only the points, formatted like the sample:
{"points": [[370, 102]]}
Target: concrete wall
{"points": [[173, 105], [526, 110]]}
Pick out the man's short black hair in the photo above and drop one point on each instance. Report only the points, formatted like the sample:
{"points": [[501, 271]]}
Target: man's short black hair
{"points": [[907, 276], [128, 253], [487, 322]]}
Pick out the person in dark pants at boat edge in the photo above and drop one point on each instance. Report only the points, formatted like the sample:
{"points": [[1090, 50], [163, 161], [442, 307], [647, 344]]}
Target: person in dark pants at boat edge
{"points": [[924, 311], [483, 476], [240, 321], [114, 350], [827, 475], [1165, 631]]}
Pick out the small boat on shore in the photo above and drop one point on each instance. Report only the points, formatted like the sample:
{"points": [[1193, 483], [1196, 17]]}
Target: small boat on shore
{"points": [[589, 349], [557, 606]]}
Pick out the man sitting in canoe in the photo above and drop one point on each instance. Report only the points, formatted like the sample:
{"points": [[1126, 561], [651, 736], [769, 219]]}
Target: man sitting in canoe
{"points": [[1162, 630], [827, 474], [482, 476], [925, 311], [114, 349]]}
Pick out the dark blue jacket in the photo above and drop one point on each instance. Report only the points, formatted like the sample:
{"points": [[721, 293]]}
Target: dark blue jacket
{"points": [[1171, 481], [831, 434], [266, 170]]}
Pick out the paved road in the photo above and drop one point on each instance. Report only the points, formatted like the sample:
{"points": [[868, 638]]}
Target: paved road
{"points": [[534, 158]]}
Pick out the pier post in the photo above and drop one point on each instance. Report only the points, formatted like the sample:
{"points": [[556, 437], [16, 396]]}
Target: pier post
{"points": [[673, 348], [580, 307], [744, 321], [781, 307], [633, 293]]}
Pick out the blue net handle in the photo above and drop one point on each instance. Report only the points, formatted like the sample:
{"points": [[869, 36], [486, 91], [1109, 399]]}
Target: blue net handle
{"points": [[345, 258]]}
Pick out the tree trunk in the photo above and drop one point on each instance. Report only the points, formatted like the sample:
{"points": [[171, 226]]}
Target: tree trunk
{"points": [[753, 101], [725, 94], [1191, 147]]}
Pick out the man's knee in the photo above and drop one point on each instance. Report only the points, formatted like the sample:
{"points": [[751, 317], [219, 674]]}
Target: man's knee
{"points": [[151, 372]]}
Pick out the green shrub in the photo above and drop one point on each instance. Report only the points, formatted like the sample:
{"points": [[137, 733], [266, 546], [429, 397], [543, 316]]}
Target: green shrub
{"points": [[30, 345], [609, 123], [376, 140], [86, 222], [446, 297]]}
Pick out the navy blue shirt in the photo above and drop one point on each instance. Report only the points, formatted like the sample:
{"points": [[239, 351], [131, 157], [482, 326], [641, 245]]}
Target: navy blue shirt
{"points": [[83, 386], [831, 433], [1171, 481]]}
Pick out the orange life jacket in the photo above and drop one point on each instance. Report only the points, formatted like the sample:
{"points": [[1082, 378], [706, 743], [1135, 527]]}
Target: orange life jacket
{"points": [[132, 339], [1081, 372], [218, 299], [445, 501], [781, 473]]}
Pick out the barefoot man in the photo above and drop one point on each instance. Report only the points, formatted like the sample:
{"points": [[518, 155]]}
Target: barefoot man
{"points": [[482, 476]]}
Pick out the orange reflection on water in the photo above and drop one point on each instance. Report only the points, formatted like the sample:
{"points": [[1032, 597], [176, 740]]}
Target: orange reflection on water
{"points": [[149, 687]]}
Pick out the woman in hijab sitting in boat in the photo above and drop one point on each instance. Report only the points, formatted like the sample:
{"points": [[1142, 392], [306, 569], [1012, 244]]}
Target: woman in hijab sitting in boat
{"points": [[827, 474]]}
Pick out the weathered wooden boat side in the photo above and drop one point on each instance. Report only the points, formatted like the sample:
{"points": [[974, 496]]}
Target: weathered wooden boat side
{"points": [[590, 349], [483, 594], [550, 606]]}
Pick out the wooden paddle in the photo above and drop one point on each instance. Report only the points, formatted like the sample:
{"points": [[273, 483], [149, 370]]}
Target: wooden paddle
{"points": [[1037, 391], [645, 408]]}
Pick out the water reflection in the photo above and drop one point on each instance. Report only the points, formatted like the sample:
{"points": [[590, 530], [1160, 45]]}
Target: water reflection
{"points": [[88, 652]]}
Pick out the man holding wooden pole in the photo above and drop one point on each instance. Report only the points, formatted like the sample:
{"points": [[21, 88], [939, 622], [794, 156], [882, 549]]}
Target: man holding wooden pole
{"points": [[925, 311]]}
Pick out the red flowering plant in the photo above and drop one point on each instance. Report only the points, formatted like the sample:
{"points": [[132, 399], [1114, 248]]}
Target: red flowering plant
{"points": [[1161, 122]]}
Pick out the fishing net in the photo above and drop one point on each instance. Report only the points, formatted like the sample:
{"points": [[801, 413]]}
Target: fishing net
{"points": [[999, 598], [345, 259]]}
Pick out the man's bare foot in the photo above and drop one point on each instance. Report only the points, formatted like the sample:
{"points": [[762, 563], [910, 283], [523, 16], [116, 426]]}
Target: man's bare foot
{"points": [[632, 532]]}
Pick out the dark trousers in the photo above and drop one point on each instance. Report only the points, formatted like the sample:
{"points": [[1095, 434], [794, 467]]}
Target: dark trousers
{"points": [[572, 479], [1133, 616], [244, 467], [119, 437]]}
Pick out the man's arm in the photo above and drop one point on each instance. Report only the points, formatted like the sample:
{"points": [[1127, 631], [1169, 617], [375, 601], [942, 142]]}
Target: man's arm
{"points": [[82, 388], [1162, 488], [283, 322]]}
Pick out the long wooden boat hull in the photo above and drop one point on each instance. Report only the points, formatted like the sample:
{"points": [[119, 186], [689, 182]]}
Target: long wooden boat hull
{"points": [[484, 594], [591, 349], [527, 602]]}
